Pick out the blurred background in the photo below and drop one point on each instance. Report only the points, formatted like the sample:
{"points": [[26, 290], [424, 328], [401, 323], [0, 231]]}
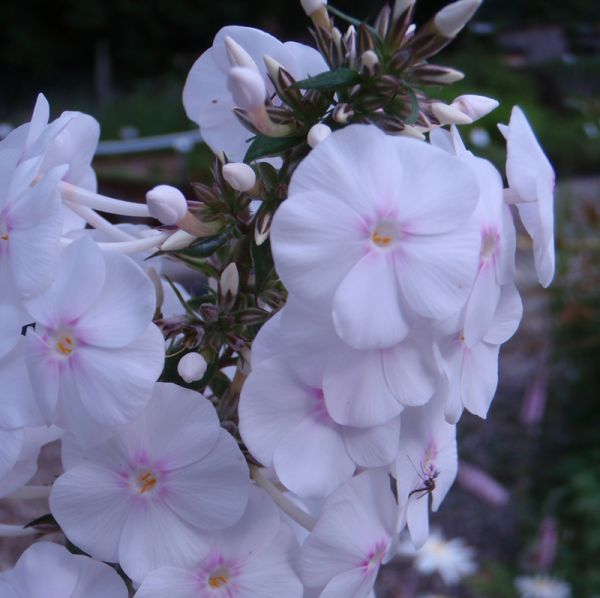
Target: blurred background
{"points": [[528, 496]]}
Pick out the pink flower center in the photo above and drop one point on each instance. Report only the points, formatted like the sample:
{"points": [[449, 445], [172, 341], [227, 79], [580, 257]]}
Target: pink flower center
{"points": [[145, 481], [219, 577], [375, 557]]}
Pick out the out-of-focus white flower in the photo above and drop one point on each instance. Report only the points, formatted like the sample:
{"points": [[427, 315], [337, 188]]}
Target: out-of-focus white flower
{"points": [[452, 559], [95, 354], [542, 586], [253, 558], [531, 183], [479, 137], [167, 204], [240, 176], [153, 492], [47, 570], [191, 367], [353, 537], [352, 240]]}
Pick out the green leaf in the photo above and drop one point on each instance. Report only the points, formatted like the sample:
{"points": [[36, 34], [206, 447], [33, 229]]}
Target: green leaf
{"points": [[356, 22], [206, 246], [330, 80], [263, 146], [263, 263]]}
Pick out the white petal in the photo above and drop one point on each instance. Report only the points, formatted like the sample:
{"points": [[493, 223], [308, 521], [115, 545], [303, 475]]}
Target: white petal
{"points": [[481, 305], [507, 317], [169, 581], [356, 583], [373, 447], [479, 377]]}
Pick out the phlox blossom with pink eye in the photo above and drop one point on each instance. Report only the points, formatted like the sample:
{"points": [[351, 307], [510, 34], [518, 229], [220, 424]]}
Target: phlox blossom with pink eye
{"points": [[378, 230], [47, 570], [151, 495], [254, 557], [209, 102], [95, 354], [354, 535], [531, 182], [425, 468]]}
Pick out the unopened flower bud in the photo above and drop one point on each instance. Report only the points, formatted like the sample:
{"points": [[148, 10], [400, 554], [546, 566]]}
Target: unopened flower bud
{"points": [[238, 56], [240, 176], [401, 6], [475, 106], [317, 133], [369, 61], [167, 204], [410, 131], [178, 240], [247, 87], [343, 113], [229, 282], [192, 367], [453, 17], [317, 11], [449, 115], [311, 6]]}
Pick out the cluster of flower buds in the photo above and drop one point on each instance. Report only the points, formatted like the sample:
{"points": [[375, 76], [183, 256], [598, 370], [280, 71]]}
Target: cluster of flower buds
{"points": [[270, 423]]}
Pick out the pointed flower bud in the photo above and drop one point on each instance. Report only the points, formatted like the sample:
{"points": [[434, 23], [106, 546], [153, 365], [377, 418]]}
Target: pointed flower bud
{"points": [[247, 87], [449, 115], [343, 113], [167, 204], [401, 6], [240, 176], [475, 106], [369, 62], [311, 6], [317, 133], [452, 18], [238, 56], [178, 240], [192, 367], [229, 283], [317, 11]]}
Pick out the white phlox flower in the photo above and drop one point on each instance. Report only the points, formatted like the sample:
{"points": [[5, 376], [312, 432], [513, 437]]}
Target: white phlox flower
{"points": [[19, 451], [154, 491], [95, 354], [425, 468], [472, 371], [542, 586], [378, 230], [353, 537], [531, 182], [451, 559], [285, 423], [252, 558], [47, 570], [207, 98]]}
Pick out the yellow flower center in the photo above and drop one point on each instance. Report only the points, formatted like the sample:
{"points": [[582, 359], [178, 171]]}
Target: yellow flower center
{"points": [[219, 578], [146, 481], [65, 345]]}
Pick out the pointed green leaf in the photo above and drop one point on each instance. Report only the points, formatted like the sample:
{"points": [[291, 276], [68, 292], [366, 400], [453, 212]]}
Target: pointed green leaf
{"points": [[330, 80], [263, 146]]}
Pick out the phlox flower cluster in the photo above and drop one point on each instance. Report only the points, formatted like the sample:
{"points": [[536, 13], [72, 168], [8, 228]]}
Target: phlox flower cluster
{"points": [[276, 434]]}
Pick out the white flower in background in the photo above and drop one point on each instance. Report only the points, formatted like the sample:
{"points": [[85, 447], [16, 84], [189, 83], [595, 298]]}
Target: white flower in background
{"points": [[451, 559], [472, 372], [47, 570], [353, 537], [542, 586], [152, 493], [379, 230], [531, 182], [207, 98], [425, 468], [94, 355], [252, 558], [19, 451]]}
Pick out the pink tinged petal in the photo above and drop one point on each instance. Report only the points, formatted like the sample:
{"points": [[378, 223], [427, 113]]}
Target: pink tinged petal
{"points": [[367, 311], [270, 573], [154, 536], [356, 391], [479, 378], [311, 460], [272, 404], [407, 373], [507, 317], [316, 240], [436, 273], [115, 384], [481, 305], [356, 583], [211, 493], [373, 447], [79, 281], [179, 425], [446, 188], [18, 406], [91, 505], [124, 307], [44, 374], [170, 581]]}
